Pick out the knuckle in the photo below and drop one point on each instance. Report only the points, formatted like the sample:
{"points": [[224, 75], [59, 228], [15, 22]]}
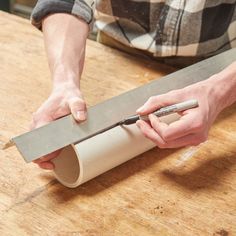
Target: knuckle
{"points": [[35, 116], [162, 145], [76, 101], [174, 93], [152, 99], [165, 136], [41, 165], [171, 93], [145, 134], [198, 125], [41, 117], [55, 97], [80, 100], [200, 139]]}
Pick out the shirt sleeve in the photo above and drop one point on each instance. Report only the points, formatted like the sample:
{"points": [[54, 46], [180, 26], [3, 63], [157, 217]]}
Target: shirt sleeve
{"points": [[80, 8]]}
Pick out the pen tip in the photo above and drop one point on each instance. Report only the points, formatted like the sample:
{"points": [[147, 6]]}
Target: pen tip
{"points": [[121, 122]]}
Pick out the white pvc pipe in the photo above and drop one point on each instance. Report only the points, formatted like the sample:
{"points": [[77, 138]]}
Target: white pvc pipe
{"points": [[79, 163]]}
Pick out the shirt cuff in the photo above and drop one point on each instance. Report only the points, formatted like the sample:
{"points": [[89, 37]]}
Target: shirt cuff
{"points": [[80, 8]]}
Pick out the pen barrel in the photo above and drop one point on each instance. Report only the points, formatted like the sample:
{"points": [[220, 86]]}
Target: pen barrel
{"points": [[172, 109], [187, 105], [176, 108], [166, 111]]}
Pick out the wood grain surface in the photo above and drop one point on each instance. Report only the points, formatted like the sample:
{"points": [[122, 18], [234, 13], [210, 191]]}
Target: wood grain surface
{"points": [[189, 191]]}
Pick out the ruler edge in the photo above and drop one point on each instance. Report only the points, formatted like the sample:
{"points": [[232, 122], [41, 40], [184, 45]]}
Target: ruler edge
{"points": [[13, 140]]}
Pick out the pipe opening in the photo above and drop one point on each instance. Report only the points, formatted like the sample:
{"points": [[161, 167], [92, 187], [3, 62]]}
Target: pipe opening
{"points": [[67, 167]]}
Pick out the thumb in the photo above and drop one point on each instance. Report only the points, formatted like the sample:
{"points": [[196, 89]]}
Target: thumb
{"points": [[156, 102], [78, 108]]}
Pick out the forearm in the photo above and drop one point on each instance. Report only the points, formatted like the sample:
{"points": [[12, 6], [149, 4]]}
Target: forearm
{"points": [[213, 95], [225, 85], [65, 38]]}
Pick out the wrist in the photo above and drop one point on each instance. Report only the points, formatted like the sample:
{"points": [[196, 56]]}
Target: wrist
{"points": [[224, 86], [63, 86], [65, 77]]}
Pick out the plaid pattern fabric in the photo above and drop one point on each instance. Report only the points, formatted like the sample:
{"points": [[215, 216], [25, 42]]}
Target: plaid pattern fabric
{"points": [[163, 27]]}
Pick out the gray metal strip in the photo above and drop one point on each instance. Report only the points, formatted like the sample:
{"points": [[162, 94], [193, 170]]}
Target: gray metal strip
{"points": [[65, 131]]}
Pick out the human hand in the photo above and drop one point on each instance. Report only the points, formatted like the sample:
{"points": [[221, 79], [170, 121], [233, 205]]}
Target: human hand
{"points": [[65, 38], [64, 99], [193, 126]]}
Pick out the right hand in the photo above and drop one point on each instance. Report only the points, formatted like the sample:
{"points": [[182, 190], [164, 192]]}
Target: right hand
{"points": [[63, 100]]}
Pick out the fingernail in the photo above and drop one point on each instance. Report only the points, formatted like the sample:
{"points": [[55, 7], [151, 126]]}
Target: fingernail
{"points": [[81, 115]]}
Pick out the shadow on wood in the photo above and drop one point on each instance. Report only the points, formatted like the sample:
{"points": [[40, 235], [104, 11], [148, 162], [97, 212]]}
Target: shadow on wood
{"points": [[114, 176], [208, 175]]}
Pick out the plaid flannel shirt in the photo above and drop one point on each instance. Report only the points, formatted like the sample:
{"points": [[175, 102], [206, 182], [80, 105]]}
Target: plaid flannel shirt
{"points": [[165, 28]]}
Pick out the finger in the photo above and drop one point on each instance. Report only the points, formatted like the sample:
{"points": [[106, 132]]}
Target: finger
{"points": [[40, 119], [32, 125], [39, 123], [150, 133], [188, 140], [78, 108], [46, 165], [156, 102], [185, 125], [49, 112], [48, 157]]}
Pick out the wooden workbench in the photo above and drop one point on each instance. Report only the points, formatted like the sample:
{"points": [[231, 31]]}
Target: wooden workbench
{"points": [[189, 191]]}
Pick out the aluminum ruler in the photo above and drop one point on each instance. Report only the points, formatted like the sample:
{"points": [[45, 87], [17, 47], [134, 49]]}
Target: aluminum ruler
{"points": [[65, 131]]}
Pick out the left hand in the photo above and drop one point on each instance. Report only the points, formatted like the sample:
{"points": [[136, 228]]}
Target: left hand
{"points": [[64, 99], [193, 126]]}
